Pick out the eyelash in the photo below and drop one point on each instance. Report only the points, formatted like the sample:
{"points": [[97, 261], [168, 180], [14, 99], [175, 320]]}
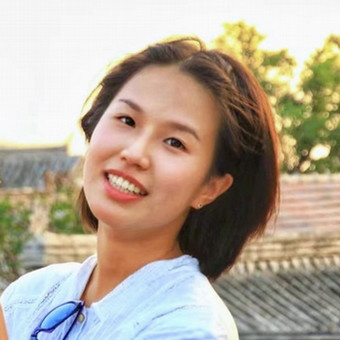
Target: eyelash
{"points": [[130, 122]]}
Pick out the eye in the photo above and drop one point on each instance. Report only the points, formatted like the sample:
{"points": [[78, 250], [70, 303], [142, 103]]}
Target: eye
{"points": [[175, 143], [127, 120]]}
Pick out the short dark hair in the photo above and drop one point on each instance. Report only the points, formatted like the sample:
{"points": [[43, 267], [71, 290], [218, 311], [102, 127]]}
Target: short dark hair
{"points": [[246, 148]]}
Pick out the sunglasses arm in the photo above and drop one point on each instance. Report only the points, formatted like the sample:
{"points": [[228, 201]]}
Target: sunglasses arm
{"points": [[74, 321]]}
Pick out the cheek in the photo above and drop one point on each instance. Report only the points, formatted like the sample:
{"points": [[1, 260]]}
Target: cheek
{"points": [[103, 143], [96, 154], [181, 180]]}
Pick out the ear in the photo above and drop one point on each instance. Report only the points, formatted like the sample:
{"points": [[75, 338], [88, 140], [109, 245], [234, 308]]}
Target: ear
{"points": [[215, 187]]}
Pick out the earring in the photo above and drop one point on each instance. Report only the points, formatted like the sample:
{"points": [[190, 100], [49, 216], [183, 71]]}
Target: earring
{"points": [[199, 205]]}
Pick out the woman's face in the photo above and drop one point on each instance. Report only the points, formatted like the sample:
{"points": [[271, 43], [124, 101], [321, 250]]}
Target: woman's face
{"points": [[150, 153]]}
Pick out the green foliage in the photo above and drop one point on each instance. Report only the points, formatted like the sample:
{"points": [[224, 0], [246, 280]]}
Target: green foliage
{"points": [[317, 124], [63, 215], [308, 116], [273, 69], [14, 232]]}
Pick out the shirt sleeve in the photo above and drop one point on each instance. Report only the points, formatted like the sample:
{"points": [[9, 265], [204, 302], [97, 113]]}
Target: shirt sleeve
{"points": [[7, 295]]}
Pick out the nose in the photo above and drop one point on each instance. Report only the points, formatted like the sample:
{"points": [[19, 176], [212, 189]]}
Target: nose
{"points": [[136, 154]]}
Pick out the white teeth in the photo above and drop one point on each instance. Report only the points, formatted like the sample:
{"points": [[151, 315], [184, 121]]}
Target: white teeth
{"points": [[124, 185]]}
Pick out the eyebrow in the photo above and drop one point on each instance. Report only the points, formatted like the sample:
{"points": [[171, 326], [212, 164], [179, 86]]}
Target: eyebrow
{"points": [[184, 128], [174, 125], [132, 104]]}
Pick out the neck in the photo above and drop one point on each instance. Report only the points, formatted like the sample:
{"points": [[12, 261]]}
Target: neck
{"points": [[120, 257], [123, 256]]}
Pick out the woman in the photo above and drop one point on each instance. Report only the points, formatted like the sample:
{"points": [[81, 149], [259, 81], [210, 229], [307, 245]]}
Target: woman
{"points": [[181, 171]]}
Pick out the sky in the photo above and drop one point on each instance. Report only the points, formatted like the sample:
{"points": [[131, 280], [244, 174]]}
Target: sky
{"points": [[53, 52]]}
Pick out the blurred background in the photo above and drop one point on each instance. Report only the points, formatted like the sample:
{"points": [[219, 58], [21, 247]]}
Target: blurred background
{"points": [[53, 53]]}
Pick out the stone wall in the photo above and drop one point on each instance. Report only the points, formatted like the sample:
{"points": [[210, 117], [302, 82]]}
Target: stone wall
{"points": [[288, 244], [49, 248]]}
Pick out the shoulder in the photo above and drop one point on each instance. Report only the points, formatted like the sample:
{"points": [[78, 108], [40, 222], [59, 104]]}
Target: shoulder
{"points": [[188, 307], [190, 287], [35, 282], [191, 322]]}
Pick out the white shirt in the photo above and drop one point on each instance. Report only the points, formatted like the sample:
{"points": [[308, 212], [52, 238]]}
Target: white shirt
{"points": [[167, 299]]}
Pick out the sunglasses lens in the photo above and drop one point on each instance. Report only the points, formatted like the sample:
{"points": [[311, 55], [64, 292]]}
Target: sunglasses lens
{"points": [[58, 315]]}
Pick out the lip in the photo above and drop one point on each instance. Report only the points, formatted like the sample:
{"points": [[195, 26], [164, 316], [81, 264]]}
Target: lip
{"points": [[117, 194]]}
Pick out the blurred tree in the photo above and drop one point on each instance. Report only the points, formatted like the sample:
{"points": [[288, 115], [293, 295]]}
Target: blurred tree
{"points": [[63, 215], [273, 69], [308, 117], [14, 232], [318, 132]]}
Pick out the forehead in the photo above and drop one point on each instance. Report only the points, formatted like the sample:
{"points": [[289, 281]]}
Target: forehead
{"points": [[170, 91]]}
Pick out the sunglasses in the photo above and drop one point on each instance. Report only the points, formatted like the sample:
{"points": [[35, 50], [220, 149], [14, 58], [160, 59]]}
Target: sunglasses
{"points": [[57, 316]]}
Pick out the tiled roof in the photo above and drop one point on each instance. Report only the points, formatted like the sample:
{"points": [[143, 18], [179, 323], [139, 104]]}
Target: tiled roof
{"points": [[287, 287], [309, 202], [299, 296], [27, 167]]}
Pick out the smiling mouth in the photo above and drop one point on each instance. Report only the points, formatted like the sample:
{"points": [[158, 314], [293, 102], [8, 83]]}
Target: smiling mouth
{"points": [[124, 185]]}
